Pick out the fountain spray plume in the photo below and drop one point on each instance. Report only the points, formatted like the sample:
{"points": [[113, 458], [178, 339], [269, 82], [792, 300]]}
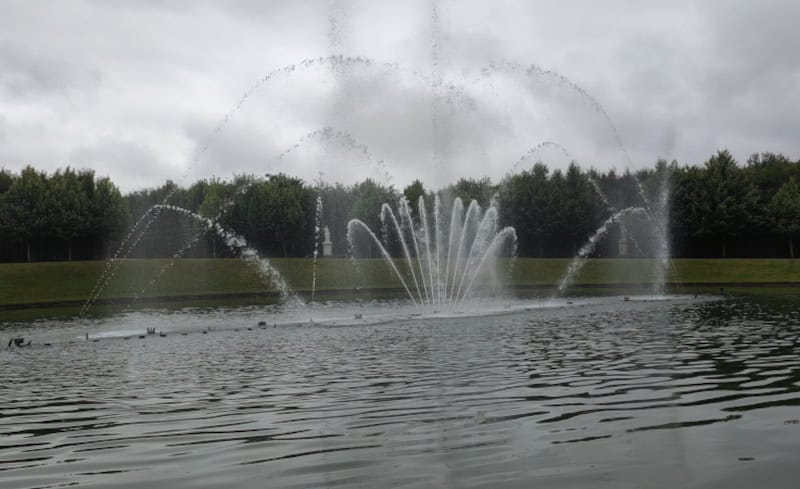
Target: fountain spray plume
{"points": [[132, 239], [588, 248], [472, 247], [145, 221], [239, 244]]}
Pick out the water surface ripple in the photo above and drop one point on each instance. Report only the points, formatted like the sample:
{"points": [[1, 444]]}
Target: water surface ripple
{"points": [[696, 393]]}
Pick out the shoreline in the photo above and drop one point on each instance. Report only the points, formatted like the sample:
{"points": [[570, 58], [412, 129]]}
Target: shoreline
{"points": [[51, 285], [271, 294]]}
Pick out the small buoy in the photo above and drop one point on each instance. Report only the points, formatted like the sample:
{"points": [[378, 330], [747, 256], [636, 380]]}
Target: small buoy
{"points": [[569, 302], [358, 315], [249, 329], [141, 337], [626, 298], [205, 332], [262, 323], [184, 334]]}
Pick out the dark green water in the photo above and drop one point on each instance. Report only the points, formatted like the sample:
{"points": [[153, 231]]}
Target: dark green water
{"points": [[598, 393]]}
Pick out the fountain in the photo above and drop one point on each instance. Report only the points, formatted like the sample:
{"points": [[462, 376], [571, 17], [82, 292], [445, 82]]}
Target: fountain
{"points": [[434, 276], [419, 390], [442, 264], [656, 214], [269, 274]]}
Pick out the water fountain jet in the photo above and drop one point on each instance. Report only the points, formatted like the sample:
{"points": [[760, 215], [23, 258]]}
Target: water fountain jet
{"points": [[438, 277]]}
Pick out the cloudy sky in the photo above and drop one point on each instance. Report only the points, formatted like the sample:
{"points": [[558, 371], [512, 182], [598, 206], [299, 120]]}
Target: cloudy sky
{"points": [[145, 91]]}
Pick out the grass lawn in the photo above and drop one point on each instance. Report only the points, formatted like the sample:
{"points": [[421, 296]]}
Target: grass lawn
{"points": [[23, 283]]}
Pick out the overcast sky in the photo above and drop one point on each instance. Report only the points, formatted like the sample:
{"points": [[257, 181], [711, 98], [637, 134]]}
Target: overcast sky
{"points": [[145, 91]]}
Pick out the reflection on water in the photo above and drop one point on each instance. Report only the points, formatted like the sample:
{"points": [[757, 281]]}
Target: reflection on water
{"points": [[600, 393]]}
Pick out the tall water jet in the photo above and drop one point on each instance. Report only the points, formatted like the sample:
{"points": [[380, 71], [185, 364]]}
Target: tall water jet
{"points": [[317, 232], [660, 214], [436, 276]]}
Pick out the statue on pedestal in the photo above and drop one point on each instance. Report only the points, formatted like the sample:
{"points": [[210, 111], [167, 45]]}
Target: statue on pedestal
{"points": [[327, 245]]}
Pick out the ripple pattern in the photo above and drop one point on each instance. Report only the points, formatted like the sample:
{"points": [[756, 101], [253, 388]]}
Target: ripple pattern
{"points": [[562, 396]]}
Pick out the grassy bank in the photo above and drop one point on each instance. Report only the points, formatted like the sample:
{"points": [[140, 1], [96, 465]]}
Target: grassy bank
{"points": [[65, 282]]}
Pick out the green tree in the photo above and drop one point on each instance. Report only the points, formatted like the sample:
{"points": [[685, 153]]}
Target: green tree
{"points": [[784, 212], [579, 208], [337, 204], [217, 197], [68, 216], [412, 193], [108, 212], [526, 200], [368, 198], [769, 171], [469, 189], [273, 214], [716, 201], [6, 179], [26, 212]]}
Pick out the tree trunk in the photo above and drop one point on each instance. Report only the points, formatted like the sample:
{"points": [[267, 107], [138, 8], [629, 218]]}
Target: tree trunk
{"points": [[791, 247], [724, 248], [69, 250], [541, 249], [28, 250]]}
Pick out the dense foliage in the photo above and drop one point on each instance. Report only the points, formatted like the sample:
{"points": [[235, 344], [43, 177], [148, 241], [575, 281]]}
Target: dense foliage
{"points": [[719, 209]]}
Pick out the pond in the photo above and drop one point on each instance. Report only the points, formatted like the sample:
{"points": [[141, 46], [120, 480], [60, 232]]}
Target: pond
{"points": [[682, 391]]}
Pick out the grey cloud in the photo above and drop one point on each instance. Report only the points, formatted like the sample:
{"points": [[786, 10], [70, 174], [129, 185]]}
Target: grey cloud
{"points": [[130, 164], [147, 82], [26, 74]]}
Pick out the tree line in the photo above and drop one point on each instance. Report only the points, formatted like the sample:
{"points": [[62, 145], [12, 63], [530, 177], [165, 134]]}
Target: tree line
{"points": [[718, 209]]}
